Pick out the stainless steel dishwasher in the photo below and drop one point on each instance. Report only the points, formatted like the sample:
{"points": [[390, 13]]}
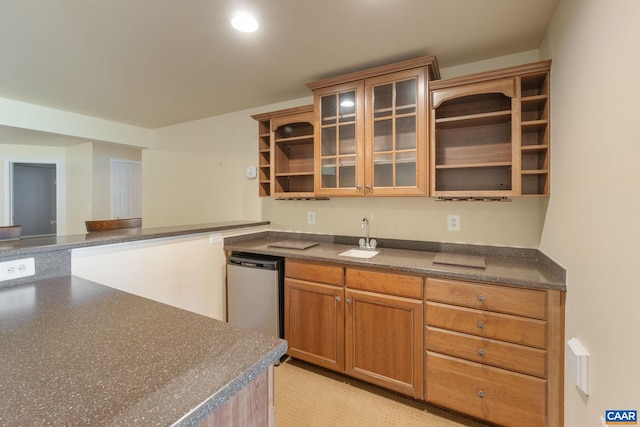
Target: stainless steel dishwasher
{"points": [[255, 292]]}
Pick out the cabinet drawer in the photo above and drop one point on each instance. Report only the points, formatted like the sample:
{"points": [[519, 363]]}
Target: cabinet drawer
{"points": [[329, 274], [503, 299], [526, 360], [403, 285], [493, 394], [518, 330]]}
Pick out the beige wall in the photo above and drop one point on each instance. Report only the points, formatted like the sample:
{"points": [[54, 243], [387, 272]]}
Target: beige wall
{"points": [[591, 226], [79, 188], [196, 171]]}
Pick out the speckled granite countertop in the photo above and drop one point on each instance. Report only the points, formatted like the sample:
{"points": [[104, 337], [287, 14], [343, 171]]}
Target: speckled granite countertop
{"points": [[45, 244], [509, 266], [75, 352]]}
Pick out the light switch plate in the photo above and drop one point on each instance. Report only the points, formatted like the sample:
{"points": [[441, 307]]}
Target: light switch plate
{"points": [[252, 172]]}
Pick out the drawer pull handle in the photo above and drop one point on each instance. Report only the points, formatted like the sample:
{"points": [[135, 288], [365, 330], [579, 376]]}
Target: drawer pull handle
{"points": [[481, 298], [480, 325], [481, 352], [338, 298], [481, 394]]}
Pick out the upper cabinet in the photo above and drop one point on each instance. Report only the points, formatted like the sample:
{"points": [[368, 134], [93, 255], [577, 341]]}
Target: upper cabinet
{"points": [[397, 130], [285, 149], [489, 134], [371, 130]]}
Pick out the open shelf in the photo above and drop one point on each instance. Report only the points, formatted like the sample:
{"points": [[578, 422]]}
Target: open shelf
{"points": [[534, 128], [285, 151], [490, 133]]}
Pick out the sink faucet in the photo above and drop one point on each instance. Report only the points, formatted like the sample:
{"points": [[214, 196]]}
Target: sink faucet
{"points": [[366, 243]]}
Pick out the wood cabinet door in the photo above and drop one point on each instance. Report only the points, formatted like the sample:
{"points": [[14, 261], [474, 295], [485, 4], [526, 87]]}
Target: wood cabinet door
{"points": [[396, 134], [314, 323], [339, 140], [384, 341]]}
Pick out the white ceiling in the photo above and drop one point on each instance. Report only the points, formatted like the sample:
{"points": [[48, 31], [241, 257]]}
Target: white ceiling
{"points": [[153, 63]]}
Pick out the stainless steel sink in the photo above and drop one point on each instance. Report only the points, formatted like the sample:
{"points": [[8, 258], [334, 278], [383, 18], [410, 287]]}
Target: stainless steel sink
{"points": [[359, 253]]}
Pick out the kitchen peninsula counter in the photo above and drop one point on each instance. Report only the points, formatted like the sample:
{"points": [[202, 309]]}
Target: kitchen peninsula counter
{"points": [[509, 266], [78, 353], [56, 243]]}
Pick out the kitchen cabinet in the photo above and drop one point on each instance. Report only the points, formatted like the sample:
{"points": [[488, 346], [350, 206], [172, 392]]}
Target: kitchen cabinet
{"points": [[384, 321], [371, 130], [489, 134], [371, 329], [314, 313], [286, 153], [493, 352]]}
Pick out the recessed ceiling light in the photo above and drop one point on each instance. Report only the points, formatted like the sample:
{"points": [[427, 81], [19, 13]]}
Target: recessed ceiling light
{"points": [[245, 22]]}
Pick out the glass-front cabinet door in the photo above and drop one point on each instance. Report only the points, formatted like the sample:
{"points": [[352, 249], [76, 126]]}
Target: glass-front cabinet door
{"points": [[396, 123], [371, 131], [339, 140]]}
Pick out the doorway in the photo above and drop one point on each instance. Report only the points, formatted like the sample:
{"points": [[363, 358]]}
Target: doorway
{"points": [[33, 198], [126, 189]]}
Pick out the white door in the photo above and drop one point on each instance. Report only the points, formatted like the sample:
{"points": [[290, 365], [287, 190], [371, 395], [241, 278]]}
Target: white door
{"points": [[126, 189]]}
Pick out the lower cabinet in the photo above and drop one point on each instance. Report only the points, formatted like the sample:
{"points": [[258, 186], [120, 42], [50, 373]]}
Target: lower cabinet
{"points": [[384, 321], [357, 330], [314, 313], [494, 352]]}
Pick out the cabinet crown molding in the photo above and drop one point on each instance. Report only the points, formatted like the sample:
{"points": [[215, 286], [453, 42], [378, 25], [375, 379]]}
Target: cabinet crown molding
{"points": [[425, 61]]}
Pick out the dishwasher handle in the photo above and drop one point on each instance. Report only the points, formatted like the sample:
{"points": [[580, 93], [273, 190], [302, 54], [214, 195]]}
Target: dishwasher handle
{"points": [[264, 264]]}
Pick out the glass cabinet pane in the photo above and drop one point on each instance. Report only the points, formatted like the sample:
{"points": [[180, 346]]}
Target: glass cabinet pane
{"points": [[383, 170], [406, 133], [347, 139], [406, 97], [347, 172], [329, 141], [329, 172], [382, 100], [328, 110], [406, 169], [382, 135], [347, 107]]}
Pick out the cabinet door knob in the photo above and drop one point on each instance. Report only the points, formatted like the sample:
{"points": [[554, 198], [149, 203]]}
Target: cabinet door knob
{"points": [[368, 187], [358, 186], [348, 301], [481, 394], [480, 325], [481, 352], [481, 298], [338, 298]]}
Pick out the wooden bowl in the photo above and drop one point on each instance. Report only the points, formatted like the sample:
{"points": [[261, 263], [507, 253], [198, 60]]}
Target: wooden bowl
{"points": [[10, 232]]}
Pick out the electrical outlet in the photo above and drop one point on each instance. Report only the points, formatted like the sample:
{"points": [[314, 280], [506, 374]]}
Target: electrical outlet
{"points": [[215, 238], [311, 217], [453, 222], [17, 268]]}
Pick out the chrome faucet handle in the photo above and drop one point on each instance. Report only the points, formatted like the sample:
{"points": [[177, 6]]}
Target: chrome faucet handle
{"points": [[373, 243], [362, 243]]}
